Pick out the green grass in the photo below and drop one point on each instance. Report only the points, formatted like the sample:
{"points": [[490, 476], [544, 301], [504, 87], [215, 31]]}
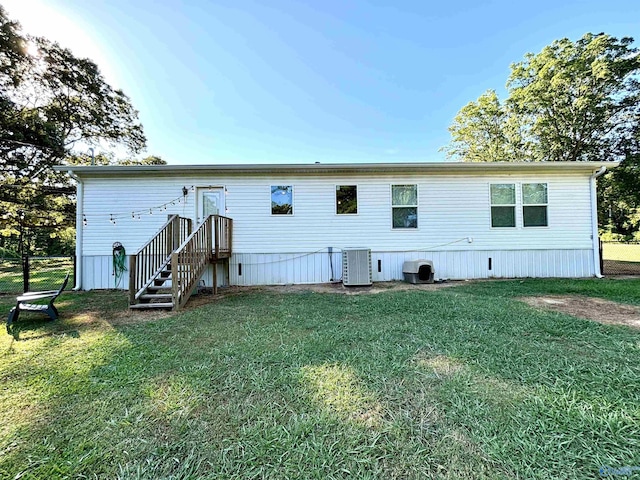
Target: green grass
{"points": [[622, 252], [462, 382]]}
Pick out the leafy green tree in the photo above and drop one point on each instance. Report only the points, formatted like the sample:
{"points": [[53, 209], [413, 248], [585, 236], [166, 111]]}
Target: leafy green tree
{"points": [[486, 131], [579, 99], [52, 104], [573, 101]]}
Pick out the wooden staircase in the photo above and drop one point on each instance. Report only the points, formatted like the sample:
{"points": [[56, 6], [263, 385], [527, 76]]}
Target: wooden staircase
{"points": [[166, 270], [158, 294]]}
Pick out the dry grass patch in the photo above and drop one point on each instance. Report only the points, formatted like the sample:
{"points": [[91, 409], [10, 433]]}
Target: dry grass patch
{"points": [[440, 365], [596, 309]]}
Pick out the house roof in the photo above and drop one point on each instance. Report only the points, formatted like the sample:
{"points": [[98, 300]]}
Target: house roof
{"points": [[452, 168]]}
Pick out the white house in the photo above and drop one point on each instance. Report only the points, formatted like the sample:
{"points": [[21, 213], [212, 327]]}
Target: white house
{"points": [[291, 222]]}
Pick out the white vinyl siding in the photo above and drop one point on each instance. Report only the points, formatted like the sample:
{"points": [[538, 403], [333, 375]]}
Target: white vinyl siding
{"points": [[458, 208]]}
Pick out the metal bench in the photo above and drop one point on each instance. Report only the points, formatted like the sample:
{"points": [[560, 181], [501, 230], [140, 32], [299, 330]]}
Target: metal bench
{"points": [[24, 302]]}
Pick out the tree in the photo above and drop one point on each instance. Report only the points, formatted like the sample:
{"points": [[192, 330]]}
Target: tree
{"points": [[573, 101], [486, 131], [580, 99], [51, 104]]}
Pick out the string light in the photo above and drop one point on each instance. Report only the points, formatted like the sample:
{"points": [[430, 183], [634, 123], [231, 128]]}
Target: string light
{"points": [[137, 214]]}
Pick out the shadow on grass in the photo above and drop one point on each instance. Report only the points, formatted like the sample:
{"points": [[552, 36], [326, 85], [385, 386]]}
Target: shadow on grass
{"points": [[453, 384]]}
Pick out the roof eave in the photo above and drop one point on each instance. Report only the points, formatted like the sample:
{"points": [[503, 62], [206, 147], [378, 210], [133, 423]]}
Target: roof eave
{"points": [[433, 167]]}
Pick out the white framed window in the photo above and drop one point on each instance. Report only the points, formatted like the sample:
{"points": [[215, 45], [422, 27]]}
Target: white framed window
{"points": [[404, 206], [282, 200], [503, 205], [346, 199], [534, 205]]}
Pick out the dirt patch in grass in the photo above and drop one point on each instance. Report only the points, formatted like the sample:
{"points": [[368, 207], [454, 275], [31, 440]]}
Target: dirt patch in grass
{"points": [[335, 287], [596, 309]]}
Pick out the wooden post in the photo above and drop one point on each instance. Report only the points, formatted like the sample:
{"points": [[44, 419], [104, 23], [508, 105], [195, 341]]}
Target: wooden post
{"points": [[175, 233], [133, 287], [216, 225], [211, 231], [175, 272], [215, 278]]}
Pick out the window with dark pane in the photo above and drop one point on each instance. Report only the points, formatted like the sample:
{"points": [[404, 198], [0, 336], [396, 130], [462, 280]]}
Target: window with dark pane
{"points": [[534, 205], [346, 199], [404, 206], [503, 205]]}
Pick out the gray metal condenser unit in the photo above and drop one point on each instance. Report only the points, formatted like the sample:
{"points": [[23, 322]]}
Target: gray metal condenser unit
{"points": [[356, 267]]}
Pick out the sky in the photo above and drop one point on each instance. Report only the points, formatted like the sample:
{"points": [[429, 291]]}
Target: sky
{"points": [[331, 81]]}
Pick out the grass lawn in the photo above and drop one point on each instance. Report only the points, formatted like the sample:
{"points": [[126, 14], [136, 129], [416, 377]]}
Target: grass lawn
{"points": [[623, 252], [462, 382], [46, 274]]}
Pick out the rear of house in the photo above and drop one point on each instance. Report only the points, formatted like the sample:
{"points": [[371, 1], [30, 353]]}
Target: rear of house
{"points": [[291, 222]]}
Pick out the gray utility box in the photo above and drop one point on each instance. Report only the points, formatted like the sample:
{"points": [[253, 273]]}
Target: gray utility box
{"points": [[418, 271]]}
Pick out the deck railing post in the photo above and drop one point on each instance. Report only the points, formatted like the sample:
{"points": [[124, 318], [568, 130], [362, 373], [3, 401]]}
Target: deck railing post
{"points": [[216, 239], [175, 281], [175, 234], [133, 285]]}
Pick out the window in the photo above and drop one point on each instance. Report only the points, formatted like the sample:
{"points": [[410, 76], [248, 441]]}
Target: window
{"points": [[282, 200], [503, 205], [346, 199], [534, 205], [404, 206]]}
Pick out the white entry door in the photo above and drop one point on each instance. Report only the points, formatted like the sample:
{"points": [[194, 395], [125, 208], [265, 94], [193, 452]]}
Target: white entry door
{"points": [[210, 202]]}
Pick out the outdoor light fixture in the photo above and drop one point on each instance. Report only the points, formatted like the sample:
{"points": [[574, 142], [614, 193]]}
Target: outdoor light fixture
{"points": [[185, 191]]}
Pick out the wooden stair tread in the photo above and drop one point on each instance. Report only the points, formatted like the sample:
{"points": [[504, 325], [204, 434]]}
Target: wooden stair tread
{"points": [[142, 306], [157, 288], [154, 296]]}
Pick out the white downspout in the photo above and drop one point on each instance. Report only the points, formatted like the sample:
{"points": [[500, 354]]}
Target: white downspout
{"points": [[594, 222], [79, 228]]}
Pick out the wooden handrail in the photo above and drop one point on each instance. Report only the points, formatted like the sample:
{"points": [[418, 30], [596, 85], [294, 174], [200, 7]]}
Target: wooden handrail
{"points": [[210, 241], [154, 255]]}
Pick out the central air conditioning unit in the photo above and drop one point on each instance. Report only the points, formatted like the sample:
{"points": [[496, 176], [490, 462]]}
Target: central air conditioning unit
{"points": [[356, 267]]}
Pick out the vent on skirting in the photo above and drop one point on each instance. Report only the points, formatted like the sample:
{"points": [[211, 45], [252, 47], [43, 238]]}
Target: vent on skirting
{"points": [[356, 267]]}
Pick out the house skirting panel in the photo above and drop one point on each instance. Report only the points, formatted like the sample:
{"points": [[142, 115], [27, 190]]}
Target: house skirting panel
{"points": [[296, 268], [321, 267]]}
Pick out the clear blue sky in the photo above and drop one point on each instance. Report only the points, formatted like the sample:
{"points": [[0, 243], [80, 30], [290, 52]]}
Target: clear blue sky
{"points": [[235, 81]]}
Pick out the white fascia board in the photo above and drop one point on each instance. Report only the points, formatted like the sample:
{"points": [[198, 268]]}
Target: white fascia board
{"points": [[440, 168]]}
